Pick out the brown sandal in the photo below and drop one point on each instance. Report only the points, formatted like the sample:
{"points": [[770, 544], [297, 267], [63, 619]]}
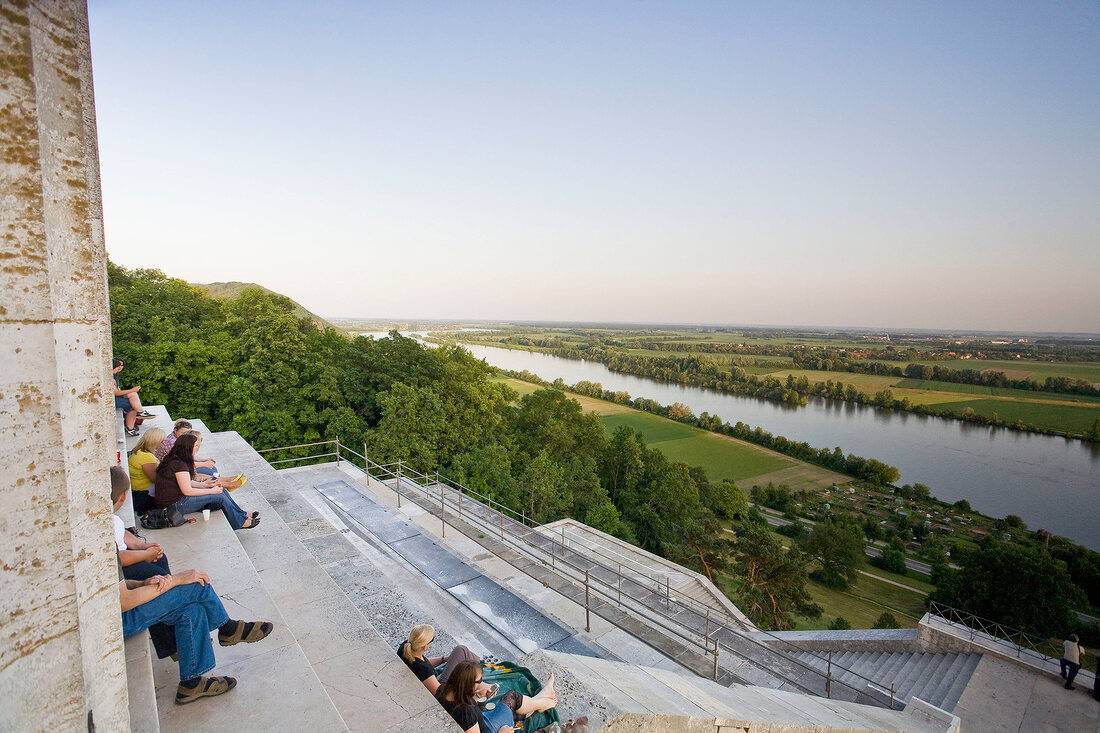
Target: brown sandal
{"points": [[246, 631], [207, 687]]}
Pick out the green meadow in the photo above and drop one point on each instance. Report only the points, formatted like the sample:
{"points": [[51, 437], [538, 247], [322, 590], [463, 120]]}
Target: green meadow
{"points": [[721, 457]]}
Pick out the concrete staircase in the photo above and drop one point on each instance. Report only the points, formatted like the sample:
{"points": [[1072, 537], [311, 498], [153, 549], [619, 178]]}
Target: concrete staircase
{"points": [[324, 668], [607, 691], [938, 679]]}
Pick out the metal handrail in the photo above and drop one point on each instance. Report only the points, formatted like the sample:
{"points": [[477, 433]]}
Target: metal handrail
{"points": [[1031, 645], [405, 474]]}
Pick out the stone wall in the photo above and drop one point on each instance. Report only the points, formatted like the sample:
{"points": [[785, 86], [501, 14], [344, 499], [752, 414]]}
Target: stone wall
{"points": [[61, 656]]}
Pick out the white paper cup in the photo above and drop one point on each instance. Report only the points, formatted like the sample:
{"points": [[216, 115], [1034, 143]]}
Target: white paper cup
{"points": [[206, 515]]}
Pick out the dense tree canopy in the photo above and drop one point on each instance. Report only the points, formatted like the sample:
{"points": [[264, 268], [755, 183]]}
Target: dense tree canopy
{"points": [[250, 365], [1016, 585]]}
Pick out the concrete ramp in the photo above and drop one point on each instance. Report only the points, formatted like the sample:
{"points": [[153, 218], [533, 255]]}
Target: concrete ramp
{"points": [[511, 616]]}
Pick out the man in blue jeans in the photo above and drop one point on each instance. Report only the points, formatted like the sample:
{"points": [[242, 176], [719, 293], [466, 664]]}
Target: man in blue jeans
{"points": [[186, 602]]}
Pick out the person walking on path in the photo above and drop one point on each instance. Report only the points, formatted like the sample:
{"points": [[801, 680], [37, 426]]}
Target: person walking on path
{"points": [[1071, 660]]}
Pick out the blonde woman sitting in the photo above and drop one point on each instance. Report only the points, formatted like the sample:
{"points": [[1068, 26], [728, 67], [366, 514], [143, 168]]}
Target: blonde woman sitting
{"points": [[413, 654], [142, 466]]}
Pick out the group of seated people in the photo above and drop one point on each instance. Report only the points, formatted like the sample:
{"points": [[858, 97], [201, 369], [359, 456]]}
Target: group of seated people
{"points": [[180, 610], [461, 691], [167, 470]]}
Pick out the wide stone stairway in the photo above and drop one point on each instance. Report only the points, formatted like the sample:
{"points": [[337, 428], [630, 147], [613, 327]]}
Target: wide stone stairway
{"points": [[344, 572]]}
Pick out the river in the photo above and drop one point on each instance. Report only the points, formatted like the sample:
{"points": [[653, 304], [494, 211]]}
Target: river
{"points": [[1052, 483]]}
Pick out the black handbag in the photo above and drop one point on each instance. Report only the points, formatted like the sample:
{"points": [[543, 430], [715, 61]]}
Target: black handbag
{"points": [[170, 516]]}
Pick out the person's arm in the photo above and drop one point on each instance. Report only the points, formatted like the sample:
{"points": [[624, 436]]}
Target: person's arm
{"points": [[133, 593], [205, 462], [432, 683], [150, 471], [132, 557], [188, 487], [133, 542]]}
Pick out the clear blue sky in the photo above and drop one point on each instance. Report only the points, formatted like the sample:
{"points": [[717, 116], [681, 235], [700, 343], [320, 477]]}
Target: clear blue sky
{"points": [[882, 164]]}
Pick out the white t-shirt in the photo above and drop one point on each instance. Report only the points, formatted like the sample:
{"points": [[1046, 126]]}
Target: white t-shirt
{"points": [[1073, 651], [120, 533]]}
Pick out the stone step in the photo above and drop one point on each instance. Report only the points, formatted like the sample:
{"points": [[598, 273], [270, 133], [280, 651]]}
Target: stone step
{"points": [[604, 690], [369, 687], [276, 682], [140, 687]]}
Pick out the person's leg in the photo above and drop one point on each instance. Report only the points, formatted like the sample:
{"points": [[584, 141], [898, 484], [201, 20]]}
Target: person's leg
{"points": [[233, 513], [135, 402], [497, 717], [544, 700], [460, 653], [143, 502], [1073, 670], [146, 570], [1063, 662]]}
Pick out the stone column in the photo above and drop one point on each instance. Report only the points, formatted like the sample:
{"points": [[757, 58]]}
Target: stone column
{"points": [[61, 656]]}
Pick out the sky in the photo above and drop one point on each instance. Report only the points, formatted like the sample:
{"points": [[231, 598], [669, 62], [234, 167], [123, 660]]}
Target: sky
{"points": [[839, 164]]}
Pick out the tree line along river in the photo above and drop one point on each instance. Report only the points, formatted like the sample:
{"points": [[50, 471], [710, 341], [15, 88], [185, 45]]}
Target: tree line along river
{"points": [[1051, 482]]}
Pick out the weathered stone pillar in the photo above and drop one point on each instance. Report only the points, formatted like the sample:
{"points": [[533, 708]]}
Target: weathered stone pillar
{"points": [[61, 656]]}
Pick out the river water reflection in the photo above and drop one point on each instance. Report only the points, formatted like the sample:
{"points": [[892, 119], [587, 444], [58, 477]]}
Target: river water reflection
{"points": [[1052, 483]]}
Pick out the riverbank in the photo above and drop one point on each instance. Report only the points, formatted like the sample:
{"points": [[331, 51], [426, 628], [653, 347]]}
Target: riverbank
{"points": [[1051, 483]]}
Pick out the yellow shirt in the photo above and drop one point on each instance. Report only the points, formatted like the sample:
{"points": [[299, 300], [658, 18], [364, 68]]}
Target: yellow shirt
{"points": [[138, 480]]}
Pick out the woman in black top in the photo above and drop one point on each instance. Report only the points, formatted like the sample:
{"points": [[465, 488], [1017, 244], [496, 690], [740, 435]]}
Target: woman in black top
{"points": [[456, 695], [412, 653], [176, 484]]}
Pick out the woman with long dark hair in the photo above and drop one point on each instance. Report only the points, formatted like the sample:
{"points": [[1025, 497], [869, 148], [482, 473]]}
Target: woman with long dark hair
{"points": [[176, 484], [457, 696]]}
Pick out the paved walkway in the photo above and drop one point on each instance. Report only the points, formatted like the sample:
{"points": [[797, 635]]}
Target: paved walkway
{"points": [[1006, 698]]}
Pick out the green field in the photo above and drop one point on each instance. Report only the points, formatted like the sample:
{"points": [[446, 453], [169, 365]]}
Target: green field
{"points": [[927, 384], [869, 383], [1054, 417], [720, 457], [1020, 369], [862, 604]]}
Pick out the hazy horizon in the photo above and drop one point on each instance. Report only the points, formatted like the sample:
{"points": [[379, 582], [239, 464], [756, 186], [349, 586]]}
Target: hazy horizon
{"points": [[902, 166]]}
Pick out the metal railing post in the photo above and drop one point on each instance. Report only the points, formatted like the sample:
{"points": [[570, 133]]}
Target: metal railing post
{"points": [[442, 506], [620, 585], [829, 677], [587, 611], [336, 447], [398, 488], [366, 462], [716, 659], [502, 523], [461, 491], [891, 695], [668, 595], [706, 632]]}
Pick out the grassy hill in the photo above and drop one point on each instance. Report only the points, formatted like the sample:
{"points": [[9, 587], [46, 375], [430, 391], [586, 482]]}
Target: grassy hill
{"points": [[230, 290]]}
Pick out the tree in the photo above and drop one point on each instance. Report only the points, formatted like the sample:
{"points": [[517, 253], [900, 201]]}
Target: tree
{"points": [[1020, 586], [886, 620], [838, 548], [773, 580], [840, 624], [892, 558], [412, 421], [726, 499]]}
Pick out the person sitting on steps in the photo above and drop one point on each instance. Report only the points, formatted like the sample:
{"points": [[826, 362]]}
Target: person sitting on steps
{"points": [[186, 602], [176, 484], [458, 697], [412, 654], [127, 400], [142, 466]]}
